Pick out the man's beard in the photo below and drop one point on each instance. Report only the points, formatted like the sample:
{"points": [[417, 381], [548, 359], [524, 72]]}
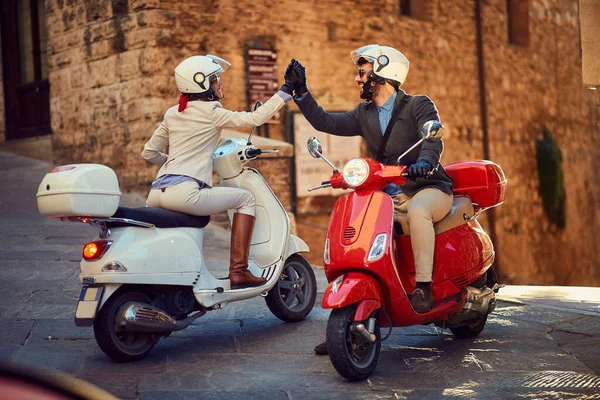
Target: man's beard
{"points": [[369, 94]]}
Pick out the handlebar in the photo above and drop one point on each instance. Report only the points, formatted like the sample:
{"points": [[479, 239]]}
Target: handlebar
{"points": [[323, 185], [253, 153]]}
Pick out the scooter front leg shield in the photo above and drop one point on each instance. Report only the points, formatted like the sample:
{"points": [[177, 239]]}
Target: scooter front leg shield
{"points": [[351, 288]]}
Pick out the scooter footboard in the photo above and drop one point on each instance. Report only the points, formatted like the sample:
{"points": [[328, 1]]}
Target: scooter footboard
{"points": [[351, 288]]}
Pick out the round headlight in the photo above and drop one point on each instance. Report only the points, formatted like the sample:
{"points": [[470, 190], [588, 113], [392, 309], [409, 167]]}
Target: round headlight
{"points": [[355, 172]]}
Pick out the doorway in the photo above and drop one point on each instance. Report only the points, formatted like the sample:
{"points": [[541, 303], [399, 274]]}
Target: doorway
{"points": [[25, 68]]}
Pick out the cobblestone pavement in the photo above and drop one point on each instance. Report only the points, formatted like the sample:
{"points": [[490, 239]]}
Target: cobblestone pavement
{"points": [[538, 344]]}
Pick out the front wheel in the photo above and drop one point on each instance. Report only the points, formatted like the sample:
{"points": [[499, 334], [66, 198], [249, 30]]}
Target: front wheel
{"points": [[121, 346], [352, 356], [293, 297]]}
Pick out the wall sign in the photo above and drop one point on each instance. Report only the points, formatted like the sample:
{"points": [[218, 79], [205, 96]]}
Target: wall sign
{"points": [[262, 77]]}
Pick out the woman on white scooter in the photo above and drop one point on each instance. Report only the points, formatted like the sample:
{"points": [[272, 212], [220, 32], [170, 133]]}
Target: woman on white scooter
{"points": [[191, 131]]}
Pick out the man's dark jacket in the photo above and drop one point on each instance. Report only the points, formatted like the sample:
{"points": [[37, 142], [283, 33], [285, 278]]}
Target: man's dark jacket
{"points": [[364, 121]]}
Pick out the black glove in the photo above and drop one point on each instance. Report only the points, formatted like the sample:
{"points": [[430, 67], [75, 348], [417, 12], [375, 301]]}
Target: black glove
{"points": [[420, 169], [290, 80], [299, 72]]}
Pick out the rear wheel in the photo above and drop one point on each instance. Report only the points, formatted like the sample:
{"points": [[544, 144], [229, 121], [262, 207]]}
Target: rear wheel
{"points": [[294, 295], [121, 346], [470, 330], [352, 356]]}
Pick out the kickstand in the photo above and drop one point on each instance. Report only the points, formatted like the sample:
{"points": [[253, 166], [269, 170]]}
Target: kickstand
{"points": [[442, 328]]}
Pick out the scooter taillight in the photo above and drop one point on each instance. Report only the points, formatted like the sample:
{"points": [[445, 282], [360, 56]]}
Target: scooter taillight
{"points": [[95, 250]]}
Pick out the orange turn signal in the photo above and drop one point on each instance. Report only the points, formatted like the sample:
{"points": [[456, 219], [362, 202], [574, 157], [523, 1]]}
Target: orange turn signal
{"points": [[95, 250]]}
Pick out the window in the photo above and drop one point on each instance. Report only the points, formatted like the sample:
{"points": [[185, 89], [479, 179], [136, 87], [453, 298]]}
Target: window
{"points": [[518, 22], [419, 9], [331, 31]]}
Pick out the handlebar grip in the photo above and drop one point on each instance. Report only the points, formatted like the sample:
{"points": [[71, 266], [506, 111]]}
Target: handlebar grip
{"points": [[252, 153]]}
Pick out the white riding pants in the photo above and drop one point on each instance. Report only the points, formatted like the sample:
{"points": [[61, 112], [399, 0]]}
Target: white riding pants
{"points": [[186, 197]]}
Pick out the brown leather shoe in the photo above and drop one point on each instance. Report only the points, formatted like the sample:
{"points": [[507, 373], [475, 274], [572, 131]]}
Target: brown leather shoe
{"points": [[321, 349], [422, 300], [241, 234]]}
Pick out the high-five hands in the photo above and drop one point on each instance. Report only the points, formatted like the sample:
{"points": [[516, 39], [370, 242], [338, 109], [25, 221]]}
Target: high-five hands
{"points": [[295, 76]]}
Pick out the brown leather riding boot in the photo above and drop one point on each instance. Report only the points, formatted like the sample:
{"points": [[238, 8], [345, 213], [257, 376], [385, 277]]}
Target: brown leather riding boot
{"points": [[241, 234]]}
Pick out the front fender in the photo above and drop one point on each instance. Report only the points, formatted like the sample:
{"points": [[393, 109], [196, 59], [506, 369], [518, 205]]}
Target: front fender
{"points": [[352, 288], [296, 245]]}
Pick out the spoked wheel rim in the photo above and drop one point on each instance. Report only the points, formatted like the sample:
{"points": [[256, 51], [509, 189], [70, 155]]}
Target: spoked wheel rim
{"points": [[294, 286]]}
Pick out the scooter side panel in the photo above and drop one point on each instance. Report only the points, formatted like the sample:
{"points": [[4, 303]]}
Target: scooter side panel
{"points": [[272, 226], [354, 287], [461, 255], [169, 256]]}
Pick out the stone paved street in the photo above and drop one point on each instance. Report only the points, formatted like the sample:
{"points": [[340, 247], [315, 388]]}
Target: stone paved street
{"points": [[535, 346]]}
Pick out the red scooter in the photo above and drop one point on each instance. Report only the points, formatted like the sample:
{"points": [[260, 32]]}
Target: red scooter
{"points": [[370, 268]]}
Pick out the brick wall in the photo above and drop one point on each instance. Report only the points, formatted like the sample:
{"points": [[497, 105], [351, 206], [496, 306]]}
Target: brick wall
{"points": [[111, 66]]}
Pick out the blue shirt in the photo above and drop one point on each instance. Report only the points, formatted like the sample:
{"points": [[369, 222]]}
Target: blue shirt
{"points": [[385, 112]]}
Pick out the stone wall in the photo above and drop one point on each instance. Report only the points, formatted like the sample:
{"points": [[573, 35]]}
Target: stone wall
{"points": [[111, 64], [529, 88]]}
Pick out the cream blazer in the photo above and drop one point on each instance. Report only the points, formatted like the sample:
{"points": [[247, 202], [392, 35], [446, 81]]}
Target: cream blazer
{"points": [[192, 135]]}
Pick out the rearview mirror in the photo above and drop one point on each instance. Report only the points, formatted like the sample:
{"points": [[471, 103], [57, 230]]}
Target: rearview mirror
{"points": [[432, 130], [314, 147]]}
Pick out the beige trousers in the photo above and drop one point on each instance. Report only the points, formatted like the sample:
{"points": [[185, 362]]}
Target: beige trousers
{"points": [[185, 197], [417, 215]]}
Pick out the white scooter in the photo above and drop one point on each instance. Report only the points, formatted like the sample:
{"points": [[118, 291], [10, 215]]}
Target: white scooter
{"points": [[145, 276]]}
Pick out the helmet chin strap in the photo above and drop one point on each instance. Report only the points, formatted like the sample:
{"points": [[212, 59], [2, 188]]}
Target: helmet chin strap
{"points": [[367, 88], [211, 95]]}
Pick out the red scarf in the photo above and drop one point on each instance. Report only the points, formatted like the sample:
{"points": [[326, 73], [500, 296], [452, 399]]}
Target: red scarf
{"points": [[183, 100]]}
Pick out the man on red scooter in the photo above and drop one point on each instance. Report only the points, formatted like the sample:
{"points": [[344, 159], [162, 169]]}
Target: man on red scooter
{"points": [[427, 196]]}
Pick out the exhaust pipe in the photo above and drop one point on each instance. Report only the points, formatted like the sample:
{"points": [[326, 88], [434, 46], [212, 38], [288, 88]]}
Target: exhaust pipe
{"points": [[482, 301], [142, 317]]}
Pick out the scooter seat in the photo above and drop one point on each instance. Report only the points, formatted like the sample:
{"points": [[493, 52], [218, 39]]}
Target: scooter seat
{"points": [[160, 217], [461, 211]]}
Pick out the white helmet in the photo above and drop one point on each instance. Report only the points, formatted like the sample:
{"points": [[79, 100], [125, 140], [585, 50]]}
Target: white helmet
{"points": [[388, 63], [193, 74]]}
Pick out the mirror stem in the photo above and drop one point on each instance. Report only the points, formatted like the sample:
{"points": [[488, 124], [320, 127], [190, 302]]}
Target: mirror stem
{"points": [[409, 150], [335, 171], [250, 137]]}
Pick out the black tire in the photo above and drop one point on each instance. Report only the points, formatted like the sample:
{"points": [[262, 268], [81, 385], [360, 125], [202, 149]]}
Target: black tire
{"points": [[352, 356], [470, 330], [293, 297], [121, 346]]}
